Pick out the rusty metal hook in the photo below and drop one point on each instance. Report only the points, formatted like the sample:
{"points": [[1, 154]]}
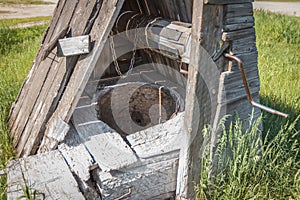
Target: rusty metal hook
{"points": [[245, 82]]}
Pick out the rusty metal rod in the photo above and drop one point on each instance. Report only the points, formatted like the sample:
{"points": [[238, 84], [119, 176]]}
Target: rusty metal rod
{"points": [[245, 82]]}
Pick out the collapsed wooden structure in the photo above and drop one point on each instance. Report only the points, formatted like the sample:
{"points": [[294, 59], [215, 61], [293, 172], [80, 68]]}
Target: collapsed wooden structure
{"points": [[83, 115]]}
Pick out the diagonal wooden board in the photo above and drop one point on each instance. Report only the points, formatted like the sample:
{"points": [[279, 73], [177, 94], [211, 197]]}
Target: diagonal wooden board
{"points": [[49, 88], [85, 66]]}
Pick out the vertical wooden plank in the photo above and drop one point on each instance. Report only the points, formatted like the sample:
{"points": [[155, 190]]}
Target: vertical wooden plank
{"points": [[202, 93]]}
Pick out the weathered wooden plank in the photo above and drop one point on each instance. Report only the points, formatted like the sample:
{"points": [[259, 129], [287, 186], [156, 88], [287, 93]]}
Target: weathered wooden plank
{"points": [[82, 166], [182, 10], [204, 77], [39, 111], [244, 45], [229, 36], [235, 27], [57, 133], [106, 146], [86, 115], [144, 181], [50, 89], [159, 139], [78, 159], [109, 150], [73, 46], [218, 2], [249, 59], [238, 10], [81, 24], [84, 68], [54, 27], [48, 174], [236, 7], [242, 107], [27, 114], [18, 129], [239, 20], [234, 75], [236, 90]]}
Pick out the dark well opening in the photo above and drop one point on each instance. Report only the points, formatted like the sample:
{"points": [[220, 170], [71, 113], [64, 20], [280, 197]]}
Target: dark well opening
{"points": [[132, 107]]}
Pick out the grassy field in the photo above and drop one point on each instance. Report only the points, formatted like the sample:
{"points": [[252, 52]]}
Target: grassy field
{"points": [[279, 64], [270, 171], [24, 2], [267, 167], [15, 22], [17, 50]]}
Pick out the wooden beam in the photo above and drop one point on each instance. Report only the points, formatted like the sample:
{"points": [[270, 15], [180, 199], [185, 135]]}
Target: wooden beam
{"points": [[202, 93]]}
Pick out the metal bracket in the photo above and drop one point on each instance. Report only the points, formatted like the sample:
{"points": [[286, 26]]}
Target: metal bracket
{"points": [[224, 46]]}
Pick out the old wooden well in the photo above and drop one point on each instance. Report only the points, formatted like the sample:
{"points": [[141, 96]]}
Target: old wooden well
{"points": [[118, 94]]}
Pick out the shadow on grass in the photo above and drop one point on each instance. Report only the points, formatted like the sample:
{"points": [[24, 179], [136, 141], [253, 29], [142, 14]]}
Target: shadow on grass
{"points": [[273, 123]]}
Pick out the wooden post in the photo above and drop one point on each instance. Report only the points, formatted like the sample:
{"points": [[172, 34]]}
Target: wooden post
{"points": [[202, 93]]}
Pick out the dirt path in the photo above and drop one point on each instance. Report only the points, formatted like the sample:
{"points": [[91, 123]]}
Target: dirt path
{"points": [[25, 11], [287, 8]]}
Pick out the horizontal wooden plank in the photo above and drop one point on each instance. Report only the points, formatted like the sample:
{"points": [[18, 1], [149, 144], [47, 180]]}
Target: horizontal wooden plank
{"points": [[110, 151], [159, 139], [239, 20], [238, 10], [144, 181], [235, 76], [229, 36], [226, 1], [48, 174], [243, 109], [236, 91], [235, 27], [73, 46], [84, 115], [244, 45]]}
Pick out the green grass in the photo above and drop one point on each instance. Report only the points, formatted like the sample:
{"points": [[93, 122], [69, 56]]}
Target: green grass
{"points": [[266, 167], [35, 2], [278, 43], [252, 168], [17, 50], [14, 22], [4, 12]]}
